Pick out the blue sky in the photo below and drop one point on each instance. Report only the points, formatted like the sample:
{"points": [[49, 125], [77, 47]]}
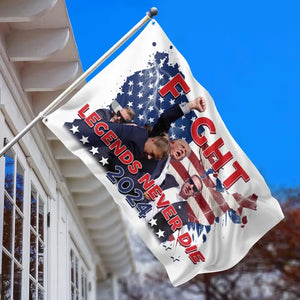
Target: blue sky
{"points": [[247, 55]]}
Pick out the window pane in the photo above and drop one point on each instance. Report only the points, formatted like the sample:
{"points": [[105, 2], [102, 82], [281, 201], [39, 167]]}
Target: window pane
{"points": [[72, 266], [32, 290], [76, 270], [82, 283], [7, 224], [41, 264], [41, 220], [33, 254], [33, 209], [18, 236], [20, 187], [85, 288], [6, 277], [41, 294], [17, 283], [72, 293], [79, 282], [9, 173]]}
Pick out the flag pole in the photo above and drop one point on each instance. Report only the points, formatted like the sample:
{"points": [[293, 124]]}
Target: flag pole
{"points": [[149, 15]]}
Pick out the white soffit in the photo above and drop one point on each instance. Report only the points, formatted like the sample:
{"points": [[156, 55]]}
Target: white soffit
{"points": [[23, 10]]}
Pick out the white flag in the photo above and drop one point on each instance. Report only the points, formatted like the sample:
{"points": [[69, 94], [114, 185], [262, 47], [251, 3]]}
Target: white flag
{"points": [[200, 208]]}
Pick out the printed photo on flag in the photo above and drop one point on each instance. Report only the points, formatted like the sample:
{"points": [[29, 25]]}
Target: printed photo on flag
{"points": [[153, 136]]}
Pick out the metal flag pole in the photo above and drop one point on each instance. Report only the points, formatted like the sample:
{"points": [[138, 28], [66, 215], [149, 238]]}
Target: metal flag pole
{"points": [[149, 15]]}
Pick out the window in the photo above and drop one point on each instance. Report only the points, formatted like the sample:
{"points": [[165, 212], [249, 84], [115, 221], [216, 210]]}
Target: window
{"points": [[13, 219], [37, 246], [23, 263], [79, 279]]}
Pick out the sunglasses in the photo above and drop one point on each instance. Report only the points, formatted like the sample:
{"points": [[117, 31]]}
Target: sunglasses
{"points": [[190, 181], [122, 120]]}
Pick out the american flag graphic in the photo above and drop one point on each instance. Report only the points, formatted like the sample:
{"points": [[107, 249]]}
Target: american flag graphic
{"points": [[140, 91]]}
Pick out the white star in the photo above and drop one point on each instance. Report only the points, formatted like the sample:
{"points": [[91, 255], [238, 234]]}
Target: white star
{"points": [[129, 103], [94, 150], [150, 97], [182, 127], [161, 99], [84, 139], [172, 101], [141, 74], [151, 120], [141, 117], [152, 222], [161, 111], [173, 125], [160, 233], [74, 129], [150, 74], [140, 95], [173, 136], [193, 119], [140, 106], [161, 76], [150, 108], [161, 64], [130, 83], [140, 84], [129, 93], [104, 161], [150, 86]]}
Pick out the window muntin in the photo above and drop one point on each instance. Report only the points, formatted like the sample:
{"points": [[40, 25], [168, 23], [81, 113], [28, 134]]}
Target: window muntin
{"points": [[79, 278], [20, 244]]}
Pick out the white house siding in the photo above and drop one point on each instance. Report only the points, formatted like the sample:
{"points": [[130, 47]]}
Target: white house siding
{"points": [[66, 230]]}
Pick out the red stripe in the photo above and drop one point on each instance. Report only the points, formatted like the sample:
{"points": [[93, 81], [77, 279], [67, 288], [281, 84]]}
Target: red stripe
{"points": [[249, 202], [217, 196], [180, 170], [208, 213], [191, 216], [200, 169]]}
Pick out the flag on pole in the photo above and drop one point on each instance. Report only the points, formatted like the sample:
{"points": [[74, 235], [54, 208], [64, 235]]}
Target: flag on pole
{"points": [[193, 196]]}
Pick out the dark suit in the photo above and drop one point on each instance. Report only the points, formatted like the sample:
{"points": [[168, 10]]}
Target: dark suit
{"points": [[162, 224], [163, 124], [105, 114], [133, 137]]}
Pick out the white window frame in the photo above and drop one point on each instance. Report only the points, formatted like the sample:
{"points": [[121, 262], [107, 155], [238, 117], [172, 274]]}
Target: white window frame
{"points": [[12, 200], [82, 268], [41, 197], [30, 179]]}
